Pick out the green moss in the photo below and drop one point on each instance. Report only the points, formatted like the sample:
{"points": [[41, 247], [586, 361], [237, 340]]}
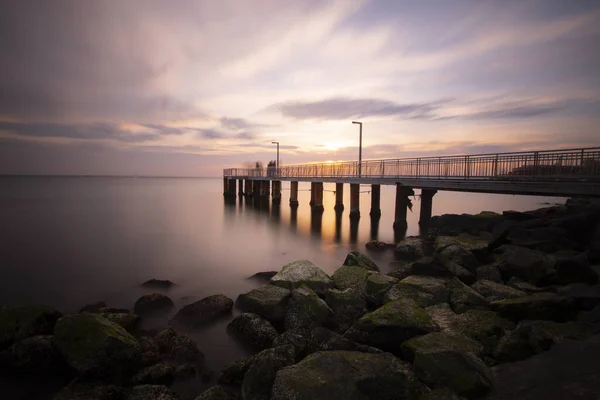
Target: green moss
{"points": [[543, 296], [350, 277], [440, 341], [358, 259], [401, 312]]}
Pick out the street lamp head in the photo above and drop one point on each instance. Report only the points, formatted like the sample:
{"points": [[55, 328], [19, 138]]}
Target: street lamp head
{"points": [[356, 122], [274, 142]]}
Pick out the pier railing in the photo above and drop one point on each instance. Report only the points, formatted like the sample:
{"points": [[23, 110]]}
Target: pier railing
{"points": [[567, 164]]}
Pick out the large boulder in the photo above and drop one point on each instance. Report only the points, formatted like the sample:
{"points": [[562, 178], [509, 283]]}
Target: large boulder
{"points": [[347, 375], [546, 306], [153, 303], [410, 249], [216, 393], [157, 374], [441, 394], [36, 355], [489, 272], [234, 372], [20, 322], [547, 239], [268, 301], [258, 381], [376, 287], [573, 268], [203, 311], [306, 310], [529, 265], [390, 325], [454, 225], [184, 350], [461, 256], [78, 390], [298, 340], [151, 392], [424, 290], [94, 346], [253, 330], [358, 259], [463, 297], [526, 287], [586, 297], [93, 307], [161, 284], [440, 341], [302, 272], [347, 305], [323, 339], [127, 320], [350, 277], [493, 291]]}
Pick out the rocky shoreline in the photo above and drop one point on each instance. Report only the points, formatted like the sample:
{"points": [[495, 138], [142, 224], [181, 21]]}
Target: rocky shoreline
{"points": [[460, 308]]}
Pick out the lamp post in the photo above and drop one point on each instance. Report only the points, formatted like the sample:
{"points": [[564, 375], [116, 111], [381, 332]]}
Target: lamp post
{"points": [[277, 166], [359, 148]]}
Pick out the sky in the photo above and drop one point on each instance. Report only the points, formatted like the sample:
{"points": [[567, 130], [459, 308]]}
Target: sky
{"points": [[187, 88]]}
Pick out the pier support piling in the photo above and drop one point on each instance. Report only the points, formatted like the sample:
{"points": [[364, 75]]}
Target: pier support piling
{"points": [[225, 186], [248, 188], [241, 188], [402, 201], [354, 200], [276, 192], [426, 206], [375, 201], [316, 197], [294, 194], [339, 197], [256, 189], [231, 191]]}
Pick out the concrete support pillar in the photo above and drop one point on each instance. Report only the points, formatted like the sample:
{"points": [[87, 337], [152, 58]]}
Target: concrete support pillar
{"points": [[276, 192], [241, 187], [266, 189], [225, 186], [256, 189], [354, 200], [294, 194], [402, 193], [316, 197], [375, 201], [231, 192], [248, 188], [426, 206], [339, 197]]}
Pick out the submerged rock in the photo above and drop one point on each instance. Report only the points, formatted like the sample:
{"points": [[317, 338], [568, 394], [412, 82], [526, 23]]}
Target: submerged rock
{"points": [[203, 311], [153, 303], [94, 346], [376, 245], [306, 310], [158, 284], [493, 291], [302, 272], [358, 259], [263, 275], [185, 350], [546, 306], [268, 301], [347, 375], [253, 330], [21, 322]]}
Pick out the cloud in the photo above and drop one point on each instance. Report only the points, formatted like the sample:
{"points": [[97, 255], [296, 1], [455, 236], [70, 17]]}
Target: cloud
{"points": [[216, 133], [268, 146]]}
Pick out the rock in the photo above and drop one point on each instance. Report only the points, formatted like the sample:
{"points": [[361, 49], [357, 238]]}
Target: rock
{"points": [[253, 330], [259, 379], [441, 394], [475, 245], [347, 306], [234, 372], [387, 327], [21, 322], [94, 346], [358, 259], [323, 339], [157, 374], [93, 308], [461, 256], [347, 375], [295, 339], [350, 277], [376, 245], [400, 271], [463, 297], [574, 269], [164, 340], [456, 270], [547, 239], [454, 225], [36, 355], [263, 276], [151, 392], [78, 390], [546, 306], [306, 310], [586, 297], [442, 359], [203, 311], [534, 337], [303, 272], [529, 265], [150, 351], [518, 284], [490, 273], [410, 249], [216, 393], [493, 291], [185, 350], [153, 303], [158, 284], [126, 320], [268, 301], [424, 290], [376, 287]]}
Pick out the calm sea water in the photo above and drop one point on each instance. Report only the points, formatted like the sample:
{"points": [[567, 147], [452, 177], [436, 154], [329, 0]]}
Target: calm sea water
{"points": [[69, 241]]}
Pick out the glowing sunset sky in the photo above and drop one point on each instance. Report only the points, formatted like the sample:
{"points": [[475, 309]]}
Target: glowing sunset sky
{"points": [[186, 88]]}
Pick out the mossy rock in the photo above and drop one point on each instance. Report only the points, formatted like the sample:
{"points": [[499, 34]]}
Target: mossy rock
{"points": [[463, 297], [127, 320], [350, 277], [153, 303], [95, 346], [440, 341], [37, 355], [253, 330], [390, 325], [441, 394], [529, 265], [493, 291], [302, 272], [78, 390], [545, 306], [268, 301], [151, 392], [347, 375], [20, 322], [157, 374], [306, 310], [234, 372], [460, 255], [476, 245], [586, 297], [259, 379], [347, 306], [298, 340], [424, 290], [489, 272], [359, 259], [323, 339], [203, 311], [216, 393], [526, 287], [376, 287]]}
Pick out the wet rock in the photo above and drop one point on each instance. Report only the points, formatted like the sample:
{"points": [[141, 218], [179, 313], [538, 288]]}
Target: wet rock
{"points": [[493, 291], [185, 350], [387, 327], [490, 273], [323, 339], [547, 306], [358, 259], [526, 287], [410, 249], [78, 390], [461, 256], [263, 276], [153, 303], [454, 225], [350, 277], [586, 297], [547, 239], [93, 308], [151, 392], [347, 306], [150, 351], [574, 269], [475, 245], [303, 272], [128, 321], [21, 322], [534, 337], [296, 339], [463, 297], [347, 375], [268, 301], [203, 311], [234, 372], [376, 245], [164, 340], [158, 284], [253, 330], [259, 379], [94, 346], [216, 393], [424, 290], [157, 374], [37, 355], [440, 341], [529, 265], [456, 270], [376, 287], [306, 310]]}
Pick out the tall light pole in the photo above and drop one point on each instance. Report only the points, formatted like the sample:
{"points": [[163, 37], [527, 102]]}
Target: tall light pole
{"points": [[277, 166], [359, 148]]}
